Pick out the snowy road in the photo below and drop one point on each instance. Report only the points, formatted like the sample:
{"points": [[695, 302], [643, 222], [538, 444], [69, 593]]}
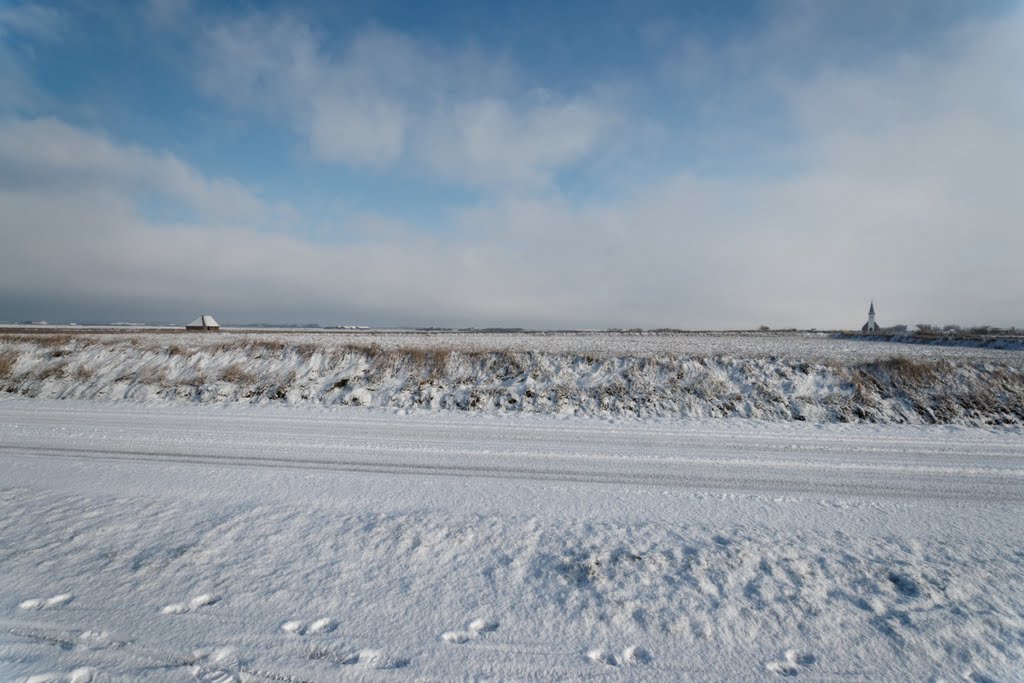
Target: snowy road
{"points": [[698, 456], [274, 543]]}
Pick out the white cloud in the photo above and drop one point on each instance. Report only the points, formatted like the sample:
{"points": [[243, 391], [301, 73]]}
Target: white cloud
{"points": [[257, 62], [50, 153], [38, 22], [362, 131], [387, 100], [16, 88], [22, 26], [495, 143]]}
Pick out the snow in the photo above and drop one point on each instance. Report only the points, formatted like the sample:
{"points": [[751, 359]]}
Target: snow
{"points": [[234, 542], [1014, 341], [802, 346], [766, 376]]}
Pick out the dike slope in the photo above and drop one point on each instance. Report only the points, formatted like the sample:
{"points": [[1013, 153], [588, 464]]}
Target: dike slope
{"points": [[766, 380]]}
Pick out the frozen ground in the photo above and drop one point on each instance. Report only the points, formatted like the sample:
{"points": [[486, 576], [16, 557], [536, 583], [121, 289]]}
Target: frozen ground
{"points": [[799, 346], [240, 542], [800, 377]]}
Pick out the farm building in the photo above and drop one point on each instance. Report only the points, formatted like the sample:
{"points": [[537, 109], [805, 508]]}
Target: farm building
{"points": [[204, 323]]}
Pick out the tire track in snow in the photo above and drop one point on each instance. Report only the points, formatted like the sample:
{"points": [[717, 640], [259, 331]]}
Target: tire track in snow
{"points": [[718, 477], [931, 463]]}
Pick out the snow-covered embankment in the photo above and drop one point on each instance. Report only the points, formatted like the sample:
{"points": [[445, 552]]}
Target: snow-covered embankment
{"points": [[333, 371]]}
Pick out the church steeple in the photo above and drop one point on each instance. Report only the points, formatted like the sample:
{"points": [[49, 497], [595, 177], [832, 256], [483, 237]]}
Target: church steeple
{"points": [[870, 325]]}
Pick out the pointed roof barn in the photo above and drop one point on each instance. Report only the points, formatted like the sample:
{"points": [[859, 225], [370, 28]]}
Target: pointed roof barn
{"points": [[204, 323]]}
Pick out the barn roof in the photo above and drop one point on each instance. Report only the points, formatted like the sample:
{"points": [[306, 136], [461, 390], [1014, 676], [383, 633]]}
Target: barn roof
{"points": [[204, 321]]}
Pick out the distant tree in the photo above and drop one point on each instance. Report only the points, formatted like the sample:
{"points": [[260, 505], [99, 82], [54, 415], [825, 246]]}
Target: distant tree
{"points": [[764, 328]]}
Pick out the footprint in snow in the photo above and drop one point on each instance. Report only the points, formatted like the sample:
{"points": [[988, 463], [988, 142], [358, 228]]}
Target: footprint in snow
{"points": [[97, 640], [605, 657], [483, 626], [476, 628], [374, 659], [457, 637], [298, 628], [634, 654], [193, 604], [46, 603], [84, 674], [217, 665], [215, 675], [791, 663], [295, 627]]}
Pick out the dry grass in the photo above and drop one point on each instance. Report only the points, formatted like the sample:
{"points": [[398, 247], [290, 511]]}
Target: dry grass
{"points": [[306, 351], [46, 341], [55, 370], [54, 341], [371, 351], [7, 361], [148, 375], [900, 372], [237, 374], [268, 345], [196, 380], [916, 371], [428, 358], [153, 374], [227, 345]]}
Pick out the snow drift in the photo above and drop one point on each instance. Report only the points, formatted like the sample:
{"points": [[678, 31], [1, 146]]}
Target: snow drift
{"points": [[331, 370]]}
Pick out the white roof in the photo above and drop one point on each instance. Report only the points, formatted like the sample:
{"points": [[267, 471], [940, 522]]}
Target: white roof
{"points": [[204, 321]]}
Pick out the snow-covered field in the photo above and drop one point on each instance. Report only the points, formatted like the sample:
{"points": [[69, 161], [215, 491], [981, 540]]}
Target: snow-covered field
{"points": [[303, 506], [803, 346], [806, 377], [306, 543]]}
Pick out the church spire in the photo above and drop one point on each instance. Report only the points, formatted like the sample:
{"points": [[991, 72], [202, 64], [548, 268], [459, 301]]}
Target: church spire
{"points": [[870, 325]]}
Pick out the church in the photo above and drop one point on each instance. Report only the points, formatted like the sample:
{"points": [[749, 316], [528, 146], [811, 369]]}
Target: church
{"points": [[870, 325]]}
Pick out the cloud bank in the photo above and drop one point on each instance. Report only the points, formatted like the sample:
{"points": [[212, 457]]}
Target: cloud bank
{"points": [[903, 188]]}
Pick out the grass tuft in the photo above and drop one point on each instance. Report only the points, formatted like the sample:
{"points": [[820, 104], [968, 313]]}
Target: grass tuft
{"points": [[237, 374], [55, 370], [7, 361]]}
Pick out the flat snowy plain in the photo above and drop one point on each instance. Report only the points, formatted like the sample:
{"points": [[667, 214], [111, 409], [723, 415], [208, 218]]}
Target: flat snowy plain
{"points": [[281, 543]]}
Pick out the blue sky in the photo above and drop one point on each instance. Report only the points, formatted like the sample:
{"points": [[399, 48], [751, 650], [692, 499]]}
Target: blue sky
{"points": [[575, 164]]}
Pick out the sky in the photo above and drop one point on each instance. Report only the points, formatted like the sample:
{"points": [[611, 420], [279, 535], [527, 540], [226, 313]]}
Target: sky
{"points": [[578, 164]]}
